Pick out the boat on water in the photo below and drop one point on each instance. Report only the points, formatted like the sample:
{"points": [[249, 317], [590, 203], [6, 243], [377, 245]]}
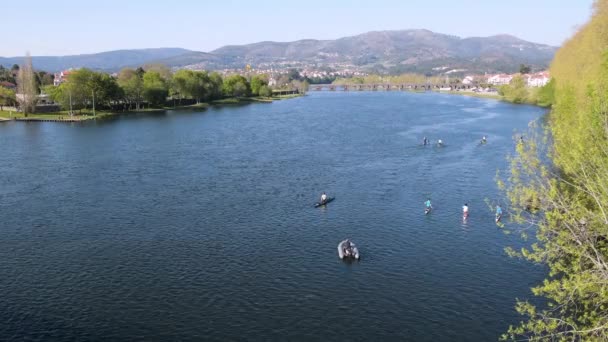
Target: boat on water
{"points": [[319, 204], [498, 217], [348, 251], [427, 210]]}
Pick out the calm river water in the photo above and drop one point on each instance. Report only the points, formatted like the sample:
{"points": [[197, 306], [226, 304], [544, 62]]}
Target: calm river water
{"points": [[199, 226]]}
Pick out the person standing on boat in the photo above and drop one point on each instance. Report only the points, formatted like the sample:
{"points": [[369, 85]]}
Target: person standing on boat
{"points": [[323, 197], [498, 212], [465, 209], [425, 141], [428, 204]]}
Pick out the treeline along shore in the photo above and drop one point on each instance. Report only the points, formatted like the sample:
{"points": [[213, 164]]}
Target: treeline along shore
{"points": [[83, 94], [521, 87], [564, 202]]}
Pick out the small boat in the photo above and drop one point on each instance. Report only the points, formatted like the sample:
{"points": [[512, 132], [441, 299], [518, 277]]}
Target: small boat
{"points": [[427, 210], [498, 217], [348, 250], [319, 204], [465, 215]]}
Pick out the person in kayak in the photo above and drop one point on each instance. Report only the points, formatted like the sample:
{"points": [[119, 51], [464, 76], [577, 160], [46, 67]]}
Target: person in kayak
{"points": [[425, 141], [439, 142], [465, 209], [484, 140], [323, 197]]}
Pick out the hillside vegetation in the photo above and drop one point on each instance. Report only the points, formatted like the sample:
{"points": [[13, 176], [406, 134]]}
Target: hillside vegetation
{"points": [[567, 202], [386, 52]]}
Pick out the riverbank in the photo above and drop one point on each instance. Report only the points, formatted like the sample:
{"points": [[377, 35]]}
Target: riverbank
{"points": [[484, 95], [64, 116], [494, 96]]}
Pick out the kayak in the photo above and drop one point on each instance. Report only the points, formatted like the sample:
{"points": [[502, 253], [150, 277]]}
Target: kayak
{"points": [[329, 199], [350, 252], [427, 210], [498, 217]]}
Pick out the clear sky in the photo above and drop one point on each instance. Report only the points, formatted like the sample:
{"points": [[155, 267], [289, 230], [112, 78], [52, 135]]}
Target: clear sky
{"points": [[63, 27]]}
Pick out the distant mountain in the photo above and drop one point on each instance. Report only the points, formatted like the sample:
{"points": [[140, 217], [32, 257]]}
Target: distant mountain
{"points": [[109, 61], [400, 51], [201, 60], [382, 51]]}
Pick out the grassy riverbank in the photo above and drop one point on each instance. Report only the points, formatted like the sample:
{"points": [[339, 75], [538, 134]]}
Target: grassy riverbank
{"points": [[494, 96], [88, 114]]}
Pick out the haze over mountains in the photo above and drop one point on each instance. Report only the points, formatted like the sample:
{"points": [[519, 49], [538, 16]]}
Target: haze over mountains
{"points": [[380, 51]]}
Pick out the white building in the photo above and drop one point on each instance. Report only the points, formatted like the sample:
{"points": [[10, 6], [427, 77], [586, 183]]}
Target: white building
{"points": [[538, 80], [467, 80], [500, 79], [61, 77]]}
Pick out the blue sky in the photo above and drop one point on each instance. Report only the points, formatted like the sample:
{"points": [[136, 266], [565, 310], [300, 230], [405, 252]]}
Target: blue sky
{"points": [[63, 27]]}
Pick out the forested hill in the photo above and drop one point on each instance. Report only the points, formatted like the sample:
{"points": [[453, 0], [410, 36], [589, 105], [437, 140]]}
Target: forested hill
{"points": [[568, 201], [108, 61], [403, 51], [393, 52]]}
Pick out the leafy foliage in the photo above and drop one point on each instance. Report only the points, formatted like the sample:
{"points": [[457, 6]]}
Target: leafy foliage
{"points": [[258, 82], [7, 97], [155, 88], [516, 91], [236, 85], [565, 202]]}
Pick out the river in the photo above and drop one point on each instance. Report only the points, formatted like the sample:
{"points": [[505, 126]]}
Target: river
{"points": [[199, 225]]}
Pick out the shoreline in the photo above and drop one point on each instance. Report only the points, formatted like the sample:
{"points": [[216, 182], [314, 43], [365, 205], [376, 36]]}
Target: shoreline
{"points": [[491, 96], [63, 116]]}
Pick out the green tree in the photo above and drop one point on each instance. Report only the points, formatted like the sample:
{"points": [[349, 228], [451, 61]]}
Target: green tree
{"points": [[546, 94], [566, 201], [6, 75], [161, 69], [63, 96], [132, 85], [155, 88], [7, 97], [265, 91], [199, 85], [516, 91], [215, 86], [257, 82], [43, 78], [26, 86], [193, 84], [236, 86], [239, 89], [90, 86], [181, 79], [524, 69]]}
